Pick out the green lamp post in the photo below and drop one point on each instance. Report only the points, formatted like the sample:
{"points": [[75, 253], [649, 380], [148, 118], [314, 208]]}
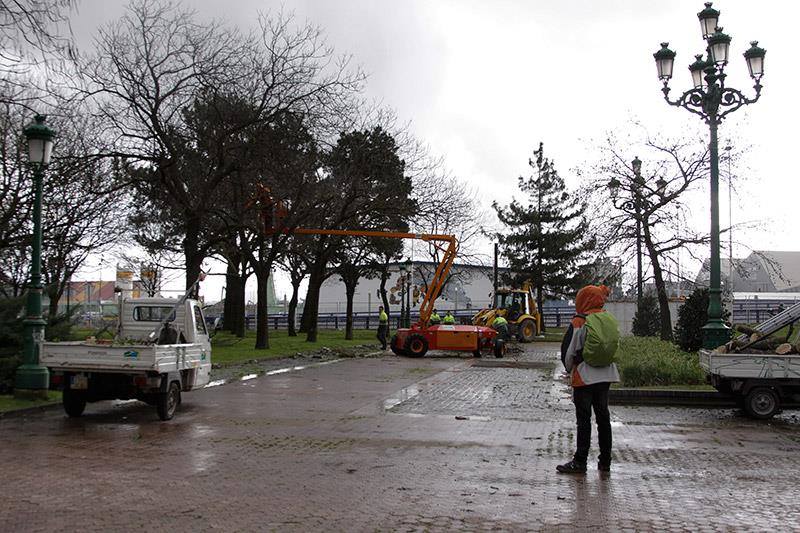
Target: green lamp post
{"points": [[32, 380], [410, 270], [713, 101]]}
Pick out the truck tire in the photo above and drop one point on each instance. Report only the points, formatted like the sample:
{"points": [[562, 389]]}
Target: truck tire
{"points": [[499, 348], [74, 401], [168, 401], [416, 345], [395, 349], [526, 330], [762, 403]]}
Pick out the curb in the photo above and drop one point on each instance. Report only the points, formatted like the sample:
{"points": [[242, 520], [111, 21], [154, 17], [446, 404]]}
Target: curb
{"points": [[680, 398]]}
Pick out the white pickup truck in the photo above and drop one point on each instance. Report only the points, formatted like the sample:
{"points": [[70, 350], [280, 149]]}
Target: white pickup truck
{"points": [[161, 348], [761, 383]]}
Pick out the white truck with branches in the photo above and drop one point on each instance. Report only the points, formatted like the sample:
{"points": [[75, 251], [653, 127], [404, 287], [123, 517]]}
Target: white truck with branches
{"points": [[161, 348], [762, 380]]}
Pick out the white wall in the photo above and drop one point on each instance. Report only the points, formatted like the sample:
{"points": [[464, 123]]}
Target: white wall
{"points": [[624, 311], [470, 288]]}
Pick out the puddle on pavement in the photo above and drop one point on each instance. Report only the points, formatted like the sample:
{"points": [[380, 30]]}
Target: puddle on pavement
{"points": [[402, 395], [261, 373]]}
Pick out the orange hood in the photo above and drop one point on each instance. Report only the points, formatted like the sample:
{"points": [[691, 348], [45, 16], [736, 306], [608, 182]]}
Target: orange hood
{"points": [[590, 299]]}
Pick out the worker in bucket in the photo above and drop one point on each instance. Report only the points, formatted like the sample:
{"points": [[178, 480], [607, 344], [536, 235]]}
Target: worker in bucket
{"points": [[435, 318], [448, 319], [383, 327], [590, 343]]}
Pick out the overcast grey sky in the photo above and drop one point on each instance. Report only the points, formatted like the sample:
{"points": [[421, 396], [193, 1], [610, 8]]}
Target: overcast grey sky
{"points": [[484, 81]]}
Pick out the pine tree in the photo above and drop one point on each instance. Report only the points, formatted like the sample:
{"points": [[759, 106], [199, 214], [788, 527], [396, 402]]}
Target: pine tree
{"points": [[647, 320], [546, 238]]}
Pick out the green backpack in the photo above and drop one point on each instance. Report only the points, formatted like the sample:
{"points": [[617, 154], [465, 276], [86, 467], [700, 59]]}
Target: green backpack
{"points": [[602, 339]]}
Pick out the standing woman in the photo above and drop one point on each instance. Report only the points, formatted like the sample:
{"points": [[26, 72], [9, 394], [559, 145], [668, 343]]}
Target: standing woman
{"points": [[588, 351]]}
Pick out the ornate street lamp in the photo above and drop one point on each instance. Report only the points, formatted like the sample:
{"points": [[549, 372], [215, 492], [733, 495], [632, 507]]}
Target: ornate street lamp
{"points": [[32, 380], [713, 101], [633, 204]]}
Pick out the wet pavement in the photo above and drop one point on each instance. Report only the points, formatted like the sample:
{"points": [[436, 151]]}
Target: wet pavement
{"points": [[432, 444]]}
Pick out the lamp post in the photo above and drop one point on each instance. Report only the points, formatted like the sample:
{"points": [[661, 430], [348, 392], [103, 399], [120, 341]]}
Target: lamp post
{"points": [[713, 101], [633, 204], [409, 270], [32, 380], [402, 294]]}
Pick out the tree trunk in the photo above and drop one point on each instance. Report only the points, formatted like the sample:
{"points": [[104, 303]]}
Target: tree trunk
{"points": [[311, 308], [350, 290], [382, 290], [52, 305], [239, 308], [262, 317], [661, 290], [293, 307], [540, 306], [231, 283], [192, 254]]}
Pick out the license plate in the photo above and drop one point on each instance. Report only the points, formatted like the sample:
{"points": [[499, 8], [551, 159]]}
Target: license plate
{"points": [[79, 382]]}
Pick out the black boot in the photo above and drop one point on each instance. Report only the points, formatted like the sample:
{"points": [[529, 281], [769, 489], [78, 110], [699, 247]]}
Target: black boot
{"points": [[572, 467], [603, 466]]}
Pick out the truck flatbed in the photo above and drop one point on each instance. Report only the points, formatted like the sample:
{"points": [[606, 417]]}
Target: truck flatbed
{"points": [[760, 382], [87, 356]]}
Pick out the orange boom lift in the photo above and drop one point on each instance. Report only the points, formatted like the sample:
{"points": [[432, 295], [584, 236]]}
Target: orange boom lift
{"points": [[421, 336]]}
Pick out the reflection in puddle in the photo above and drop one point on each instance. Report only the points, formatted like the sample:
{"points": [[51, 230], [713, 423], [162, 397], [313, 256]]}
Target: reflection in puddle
{"points": [[248, 377], [402, 395], [201, 460]]}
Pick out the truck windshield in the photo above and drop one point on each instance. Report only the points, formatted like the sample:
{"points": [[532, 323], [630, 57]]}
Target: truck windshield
{"points": [[151, 314]]}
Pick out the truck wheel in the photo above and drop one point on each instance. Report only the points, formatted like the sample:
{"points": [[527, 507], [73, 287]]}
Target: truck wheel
{"points": [[168, 401], [527, 330], [416, 345], [395, 349], [74, 401], [499, 348], [762, 403]]}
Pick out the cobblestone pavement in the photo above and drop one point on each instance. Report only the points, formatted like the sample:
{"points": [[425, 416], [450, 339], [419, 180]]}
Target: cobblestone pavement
{"points": [[432, 444]]}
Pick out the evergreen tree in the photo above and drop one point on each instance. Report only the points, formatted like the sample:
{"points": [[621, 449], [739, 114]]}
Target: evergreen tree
{"points": [[545, 240], [647, 320]]}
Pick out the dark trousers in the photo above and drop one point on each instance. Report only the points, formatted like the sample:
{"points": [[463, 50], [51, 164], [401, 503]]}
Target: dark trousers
{"points": [[383, 332], [587, 398]]}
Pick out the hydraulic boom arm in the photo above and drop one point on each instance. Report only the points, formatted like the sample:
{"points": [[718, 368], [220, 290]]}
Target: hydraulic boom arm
{"points": [[448, 246], [273, 214]]}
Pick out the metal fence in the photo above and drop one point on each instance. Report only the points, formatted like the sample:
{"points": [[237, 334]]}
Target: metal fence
{"points": [[743, 311], [553, 317]]}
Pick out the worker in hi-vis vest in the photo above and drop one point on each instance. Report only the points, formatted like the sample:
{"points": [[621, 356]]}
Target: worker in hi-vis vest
{"points": [[435, 318], [383, 326], [500, 325], [448, 319]]}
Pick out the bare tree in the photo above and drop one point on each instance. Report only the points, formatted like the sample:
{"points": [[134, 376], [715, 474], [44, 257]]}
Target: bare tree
{"points": [[449, 207], [34, 34], [657, 198]]}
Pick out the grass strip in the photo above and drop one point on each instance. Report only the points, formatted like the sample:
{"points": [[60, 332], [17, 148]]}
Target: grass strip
{"points": [[9, 403], [227, 348]]}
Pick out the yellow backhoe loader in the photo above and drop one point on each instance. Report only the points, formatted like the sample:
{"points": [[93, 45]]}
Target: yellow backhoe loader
{"points": [[518, 307]]}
